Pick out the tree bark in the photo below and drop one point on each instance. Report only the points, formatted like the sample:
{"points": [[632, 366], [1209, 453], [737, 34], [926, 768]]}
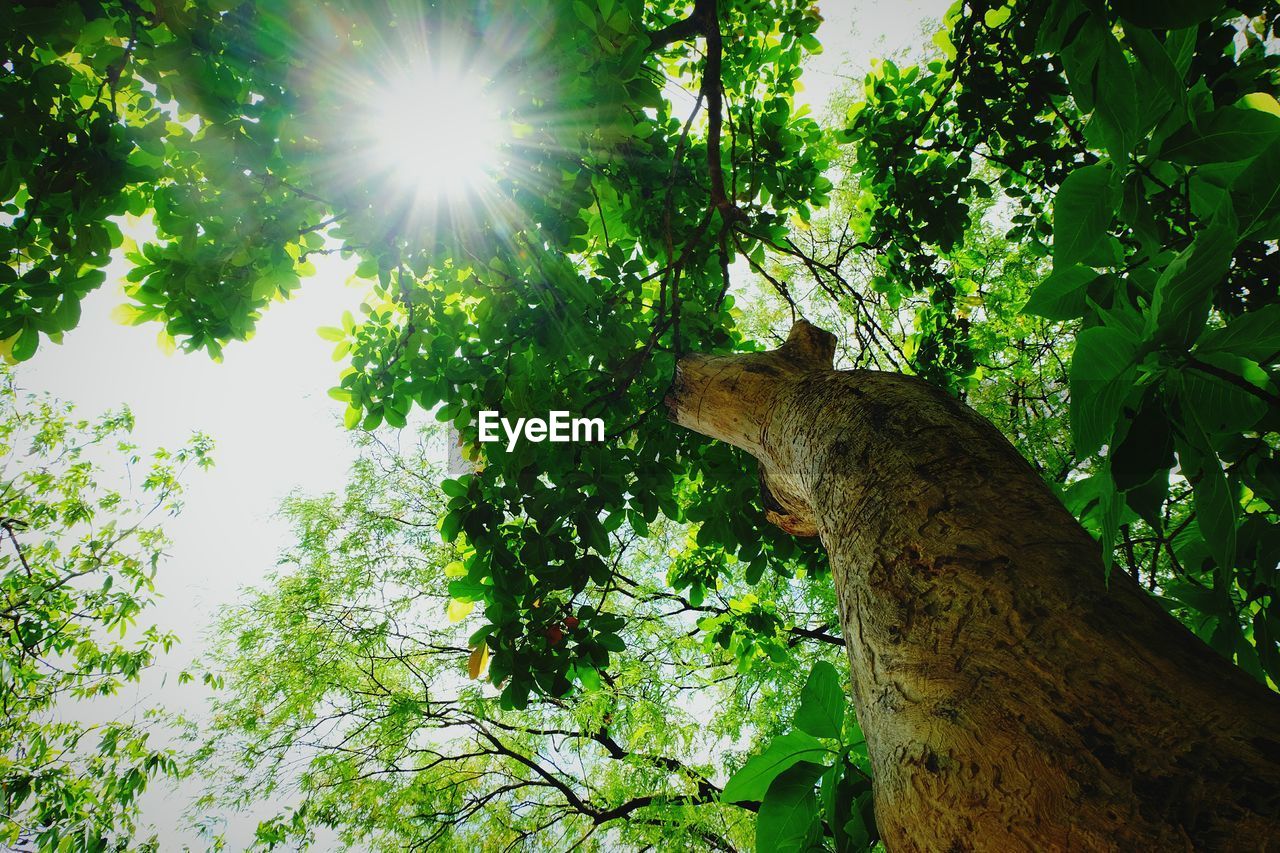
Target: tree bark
{"points": [[1011, 699]]}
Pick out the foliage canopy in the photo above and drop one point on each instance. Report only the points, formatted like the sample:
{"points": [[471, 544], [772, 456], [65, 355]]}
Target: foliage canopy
{"points": [[81, 550], [1068, 215]]}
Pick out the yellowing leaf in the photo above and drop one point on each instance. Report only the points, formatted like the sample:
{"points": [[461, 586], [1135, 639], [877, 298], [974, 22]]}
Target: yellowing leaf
{"points": [[1261, 101], [943, 41], [476, 663], [996, 17], [128, 315], [459, 610], [166, 342], [6, 349]]}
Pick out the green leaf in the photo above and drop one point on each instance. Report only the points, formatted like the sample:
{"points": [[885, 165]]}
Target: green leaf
{"points": [[612, 642], [585, 14], [1061, 296], [588, 676], [1266, 636], [1157, 66], [1102, 373], [789, 811], [861, 827], [1059, 17], [67, 314], [264, 287], [1167, 14], [752, 781], [515, 696], [592, 533], [1214, 504], [453, 488], [1116, 101], [26, 344], [846, 806], [1222, 406], [1185, 289], [1082, 212], [1224, 136], [1255, 335], [1256, 195], [1147, 446], [822, 703], [449, 526], [1080, 55], [1147, 499], [996, 17]]}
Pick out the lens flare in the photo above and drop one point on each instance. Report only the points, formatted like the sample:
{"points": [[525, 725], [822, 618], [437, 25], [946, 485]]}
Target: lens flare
{"points": [[434, 132]]}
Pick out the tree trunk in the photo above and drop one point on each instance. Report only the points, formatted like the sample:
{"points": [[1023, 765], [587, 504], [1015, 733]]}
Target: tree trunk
{"points": [[1010, 698]]}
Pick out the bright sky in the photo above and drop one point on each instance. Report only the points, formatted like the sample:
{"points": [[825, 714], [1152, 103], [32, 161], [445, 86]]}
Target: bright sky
{"points": [[266, 406], [276, 430]]}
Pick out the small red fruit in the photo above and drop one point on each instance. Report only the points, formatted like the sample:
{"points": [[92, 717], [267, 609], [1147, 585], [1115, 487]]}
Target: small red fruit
{"points": [[555, 635], [571, 622]]}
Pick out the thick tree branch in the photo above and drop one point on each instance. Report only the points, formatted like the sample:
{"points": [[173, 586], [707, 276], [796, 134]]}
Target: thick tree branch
{"points": [[683, 30], [704, 21], [820, 635], [713, 88]]}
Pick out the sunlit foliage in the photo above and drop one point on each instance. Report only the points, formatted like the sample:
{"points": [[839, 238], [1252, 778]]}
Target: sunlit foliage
{"points": [[1066, 214], [80, 508]]}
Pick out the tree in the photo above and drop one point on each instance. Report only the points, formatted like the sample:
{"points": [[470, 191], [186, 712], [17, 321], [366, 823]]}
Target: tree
{"points": [[603, 256], [77, 570], [344, 666], [989, 654]]}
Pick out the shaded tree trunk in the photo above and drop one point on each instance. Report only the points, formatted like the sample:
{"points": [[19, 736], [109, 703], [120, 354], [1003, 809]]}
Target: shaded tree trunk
{"points": [[1010, 698]]}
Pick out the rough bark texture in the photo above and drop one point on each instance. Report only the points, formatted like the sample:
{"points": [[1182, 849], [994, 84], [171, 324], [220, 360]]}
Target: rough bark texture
{"points": [[1011, 700]]}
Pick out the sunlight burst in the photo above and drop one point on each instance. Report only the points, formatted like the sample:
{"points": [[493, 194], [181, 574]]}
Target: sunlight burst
{"points": [[436, 132]]}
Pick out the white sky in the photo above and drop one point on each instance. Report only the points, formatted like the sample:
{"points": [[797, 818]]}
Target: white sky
{"points": [[267, 409], [276, 430]]}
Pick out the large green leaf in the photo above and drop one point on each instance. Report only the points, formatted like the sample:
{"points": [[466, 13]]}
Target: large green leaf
{"points": [[1215, 506], [1082, 212], [1266, 636], [1155, 66], [1221, 405], [1185, 289], [1255, 336], [1080, 56], [861, 828], [1059, 16], [1102, 372], [822, 703], [1116, 101], [753, 780], [1225, 135], [788, 817], [1061, 296], [846, 806], [1256, 195], [1147, 446]]}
